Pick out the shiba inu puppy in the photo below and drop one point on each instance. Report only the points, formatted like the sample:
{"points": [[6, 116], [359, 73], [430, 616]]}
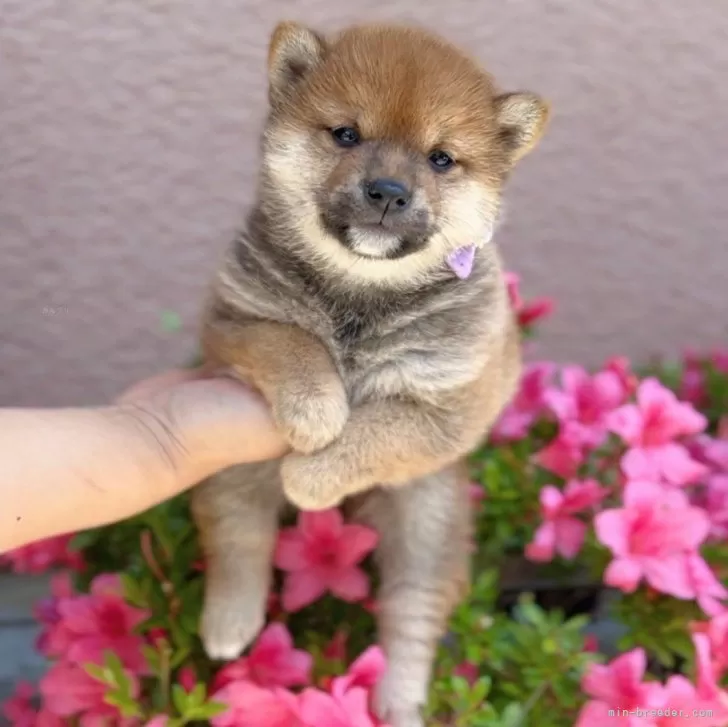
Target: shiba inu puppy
{"points": [[365, 300]]}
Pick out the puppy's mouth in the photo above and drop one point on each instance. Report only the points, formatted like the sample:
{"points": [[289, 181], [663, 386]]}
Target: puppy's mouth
{"points": [[374, 242]]}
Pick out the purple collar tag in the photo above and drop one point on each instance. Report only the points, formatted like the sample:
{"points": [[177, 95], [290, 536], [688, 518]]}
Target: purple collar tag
{"points": [[461, 261]]}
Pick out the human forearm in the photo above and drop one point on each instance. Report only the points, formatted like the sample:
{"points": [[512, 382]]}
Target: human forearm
{"points": [[68, 469]]}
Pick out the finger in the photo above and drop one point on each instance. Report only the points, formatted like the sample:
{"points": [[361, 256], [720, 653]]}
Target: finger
{"points": [[222, 421], [161, 381]]}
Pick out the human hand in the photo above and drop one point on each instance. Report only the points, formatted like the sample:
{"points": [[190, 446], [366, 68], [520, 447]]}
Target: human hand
{"points": [[65, 470], [215, 419]]}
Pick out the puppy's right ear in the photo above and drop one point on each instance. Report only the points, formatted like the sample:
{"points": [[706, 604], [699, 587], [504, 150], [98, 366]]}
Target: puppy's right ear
{"points": [[293, 52]]}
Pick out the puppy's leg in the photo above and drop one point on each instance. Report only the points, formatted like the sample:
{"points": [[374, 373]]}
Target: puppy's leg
{"points": [[424, 565], [293, 371], [236, 513]]}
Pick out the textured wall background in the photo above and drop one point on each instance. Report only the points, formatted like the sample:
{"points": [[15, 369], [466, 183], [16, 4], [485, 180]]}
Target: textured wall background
{"points": [[128, 145]]}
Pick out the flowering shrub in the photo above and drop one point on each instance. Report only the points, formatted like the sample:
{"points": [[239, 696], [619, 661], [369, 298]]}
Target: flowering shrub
{"points": [[614, 480]]}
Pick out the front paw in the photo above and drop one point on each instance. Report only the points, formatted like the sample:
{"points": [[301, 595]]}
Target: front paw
{"points": [[229, 625], [395, 710], [406, 718], [309, 482], [311, 420]]}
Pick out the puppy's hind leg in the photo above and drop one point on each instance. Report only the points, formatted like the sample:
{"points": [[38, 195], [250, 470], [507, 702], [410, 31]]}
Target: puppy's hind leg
{"points": [[424, 565], [236, 513]]}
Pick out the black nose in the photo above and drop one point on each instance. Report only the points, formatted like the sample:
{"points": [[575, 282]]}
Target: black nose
{"points": [[383, 193]]}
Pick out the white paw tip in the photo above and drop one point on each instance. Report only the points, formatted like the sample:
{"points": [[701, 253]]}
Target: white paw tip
{"points": [[224, 652]]}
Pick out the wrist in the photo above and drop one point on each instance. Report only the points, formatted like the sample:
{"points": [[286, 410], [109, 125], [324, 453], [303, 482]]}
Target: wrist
{"points": [[157, 446]]}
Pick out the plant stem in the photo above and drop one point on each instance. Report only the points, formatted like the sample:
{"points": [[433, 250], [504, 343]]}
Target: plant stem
{"points": [[531, 701]]}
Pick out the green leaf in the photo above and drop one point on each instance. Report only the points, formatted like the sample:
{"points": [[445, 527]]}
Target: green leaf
{"points": [[207, 710], [170, 321], [460, 685], [480, 689], [153, 658], [96, 671], [133, 592], [83, 541], [179, 657], [116, 668], [198, 695], [512, 715], [127, 706], [180, 699]]}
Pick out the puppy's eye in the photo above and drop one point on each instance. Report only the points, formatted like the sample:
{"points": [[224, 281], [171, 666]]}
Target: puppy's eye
{"points": [[346, 136], [440, 161]]}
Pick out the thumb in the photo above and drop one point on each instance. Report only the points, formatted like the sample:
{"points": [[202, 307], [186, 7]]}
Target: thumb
{"points": [[210, 423]]}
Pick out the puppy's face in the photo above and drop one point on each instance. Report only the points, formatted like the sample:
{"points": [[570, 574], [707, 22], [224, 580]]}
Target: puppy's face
{"points": [[386, 148]]}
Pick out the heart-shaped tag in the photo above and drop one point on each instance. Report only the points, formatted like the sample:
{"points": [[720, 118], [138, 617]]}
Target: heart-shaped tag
{"points": [[461, 261]]}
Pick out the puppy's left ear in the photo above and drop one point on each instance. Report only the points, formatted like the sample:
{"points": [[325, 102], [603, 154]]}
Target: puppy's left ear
{"points": [[522, 118], [293, 53]]}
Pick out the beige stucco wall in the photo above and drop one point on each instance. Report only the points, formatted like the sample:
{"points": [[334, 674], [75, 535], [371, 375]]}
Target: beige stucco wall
{"points": [[128, 145]]}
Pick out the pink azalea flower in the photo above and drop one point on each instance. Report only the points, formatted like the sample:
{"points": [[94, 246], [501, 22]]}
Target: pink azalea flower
{"points": [[586, 401], [350, 709], [46, 610], [526, 313], [692, 382], [619, 365], [565, 454], [250, 704], [717, 632], [322, 554], [650, 427], [18, 709], [707, 684], [707, 590], [346, 692], [273, 662], [89, 625], [476, 493], [561, 532], [658, 417], [68, 690], [187, 678], [651, 537], [591, 644], [45, 718], [513, 285], [20, 712], [528, 404], [43, 555], [716, 505], [710, 452], [468, 671], [670, 463], [535, 310], [715, 452], [365, 672], [684, 707], [719, 359], [159, 721], [618, 686], [708, 695]]}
